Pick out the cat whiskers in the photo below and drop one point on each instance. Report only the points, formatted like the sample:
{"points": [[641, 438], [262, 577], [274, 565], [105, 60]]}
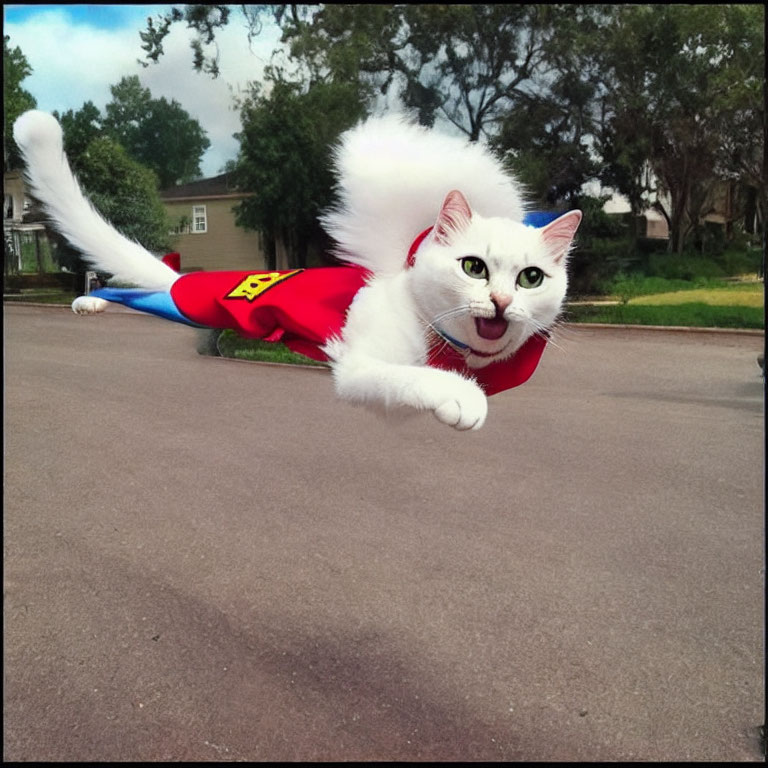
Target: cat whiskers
{"points": [[533, 327], [565, 332], [435, 329], [544, 331]]}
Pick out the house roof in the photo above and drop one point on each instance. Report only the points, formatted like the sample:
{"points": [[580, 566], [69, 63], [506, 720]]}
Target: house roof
{"points": [[215, 186]]}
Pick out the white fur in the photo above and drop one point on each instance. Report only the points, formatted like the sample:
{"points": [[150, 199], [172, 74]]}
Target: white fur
{"points": [[380, 360], [89, 305], [394, 182], [393, 177], [51, 181]]}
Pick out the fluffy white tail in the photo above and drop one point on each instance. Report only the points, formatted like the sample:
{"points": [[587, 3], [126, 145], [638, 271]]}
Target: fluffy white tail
{"points": [[51, 181], [392, 179]]}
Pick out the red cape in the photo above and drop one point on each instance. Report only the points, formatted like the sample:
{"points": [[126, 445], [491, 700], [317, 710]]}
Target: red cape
{"points": [[303, 308]]}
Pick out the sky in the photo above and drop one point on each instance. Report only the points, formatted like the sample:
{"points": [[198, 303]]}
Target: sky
{"points": [[77, 52]]}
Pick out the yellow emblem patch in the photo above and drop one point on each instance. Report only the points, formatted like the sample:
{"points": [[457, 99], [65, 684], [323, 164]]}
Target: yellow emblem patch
{"points": [[256, 283]]}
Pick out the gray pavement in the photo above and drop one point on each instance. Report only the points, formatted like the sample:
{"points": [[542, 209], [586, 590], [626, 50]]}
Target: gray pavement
{"points": [[210, 560]]}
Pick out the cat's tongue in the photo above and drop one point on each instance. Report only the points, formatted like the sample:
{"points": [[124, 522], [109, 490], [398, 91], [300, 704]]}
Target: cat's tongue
{"points": [[491, 327]]}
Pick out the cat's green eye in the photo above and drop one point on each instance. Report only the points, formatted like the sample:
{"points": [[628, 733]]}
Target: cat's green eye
{"points": [[532, 277], [474, 267]]}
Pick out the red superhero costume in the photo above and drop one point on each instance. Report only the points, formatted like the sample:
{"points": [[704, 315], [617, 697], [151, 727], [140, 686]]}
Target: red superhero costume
{"points": [[304, 308]]}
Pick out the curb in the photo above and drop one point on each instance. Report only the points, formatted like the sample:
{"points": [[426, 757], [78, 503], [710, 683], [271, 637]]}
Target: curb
{"points": [[674, 328]]}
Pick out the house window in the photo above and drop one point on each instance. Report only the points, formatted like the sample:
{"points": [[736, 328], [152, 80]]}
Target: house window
{"points": [[199, 219], [8, 207]]}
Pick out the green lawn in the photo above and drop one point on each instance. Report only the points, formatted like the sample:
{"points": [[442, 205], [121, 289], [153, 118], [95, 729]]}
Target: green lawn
{"points": [[716, 305], [232, 345], [692, 314], [737, 295], [42, 296]]}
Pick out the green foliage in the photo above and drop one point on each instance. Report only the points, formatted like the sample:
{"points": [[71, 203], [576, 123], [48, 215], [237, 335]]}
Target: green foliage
{"points": [[627, 287], [693, 315], [80, 128], [205, 19], [684, 266], [157, 133], [125, 193], [231, 345], [285, 157], [672, 73], [16, 100], [36, 255], [544, 132], [742, 261], [657, 101], [603, 248]]}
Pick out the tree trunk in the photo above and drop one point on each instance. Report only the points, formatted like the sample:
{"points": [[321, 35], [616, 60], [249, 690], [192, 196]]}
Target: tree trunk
{"points": [[301, 252], [750, 210], [270, 249]]}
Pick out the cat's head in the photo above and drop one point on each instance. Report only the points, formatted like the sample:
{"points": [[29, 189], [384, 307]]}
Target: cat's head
{"points": [[485, 285]]}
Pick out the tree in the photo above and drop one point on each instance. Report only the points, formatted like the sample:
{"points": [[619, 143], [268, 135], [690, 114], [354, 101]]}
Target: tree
{"points": [[465, 63], [122, 190], [80, 129], [205, 19], [157, 133], [742, 112], [125, 193], [544, 141], [16, 100], [670, 71], [285, 158], [663, 97], [471, 64]]}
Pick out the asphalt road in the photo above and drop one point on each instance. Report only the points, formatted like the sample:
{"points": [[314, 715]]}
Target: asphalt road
{"points": [[211, 560]]}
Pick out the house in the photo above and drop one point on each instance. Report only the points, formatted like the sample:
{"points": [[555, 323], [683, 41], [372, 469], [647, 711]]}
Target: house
{"points": [[719, 208], [26, 247], [205, 232]]}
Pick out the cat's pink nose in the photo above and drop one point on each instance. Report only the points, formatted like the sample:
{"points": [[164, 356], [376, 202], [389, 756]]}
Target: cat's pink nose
{"points": [[501, 301]]}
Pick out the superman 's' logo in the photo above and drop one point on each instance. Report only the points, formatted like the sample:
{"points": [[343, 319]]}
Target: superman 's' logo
{"points": [[257, 282]]}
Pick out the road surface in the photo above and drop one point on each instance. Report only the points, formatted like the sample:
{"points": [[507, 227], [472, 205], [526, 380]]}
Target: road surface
{"points": [[211, 560]]}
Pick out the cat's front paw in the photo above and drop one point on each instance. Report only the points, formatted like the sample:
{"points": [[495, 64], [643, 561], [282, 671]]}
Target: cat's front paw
{"points": [[464, 409], [88, 305]]}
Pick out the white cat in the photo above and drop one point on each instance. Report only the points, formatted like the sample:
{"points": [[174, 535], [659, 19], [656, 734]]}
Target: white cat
{"points": [[480, 284]]}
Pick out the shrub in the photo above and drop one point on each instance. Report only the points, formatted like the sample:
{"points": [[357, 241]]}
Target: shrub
{"points": [[231, 344], [684, 266], [627, 287], [741, 262], [593, 266]]}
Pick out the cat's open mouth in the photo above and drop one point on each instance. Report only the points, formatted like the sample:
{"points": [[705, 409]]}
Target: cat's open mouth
{"points": [[491, 328]]}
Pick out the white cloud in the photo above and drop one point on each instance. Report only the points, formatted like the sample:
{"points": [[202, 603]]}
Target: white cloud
{"points": [[75, 62]]}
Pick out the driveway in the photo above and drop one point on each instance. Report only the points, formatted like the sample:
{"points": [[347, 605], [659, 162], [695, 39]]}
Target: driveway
{"points": [[211, 560]]}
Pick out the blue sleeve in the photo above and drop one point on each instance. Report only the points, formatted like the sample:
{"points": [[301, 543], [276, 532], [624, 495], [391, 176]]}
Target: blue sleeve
{"points": [[157, 303]]}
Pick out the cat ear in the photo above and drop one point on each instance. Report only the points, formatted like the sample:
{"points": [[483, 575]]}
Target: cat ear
{"points": [[454, 216], [558, 235]]}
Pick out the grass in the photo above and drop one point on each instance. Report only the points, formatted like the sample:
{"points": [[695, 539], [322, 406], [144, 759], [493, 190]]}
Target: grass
{"points": [[41, 296], [689, 314], [705, 303], [734, 295], [232, 345]]}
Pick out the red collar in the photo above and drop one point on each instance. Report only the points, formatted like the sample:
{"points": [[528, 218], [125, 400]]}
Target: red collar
{"points": [[411, 260]]}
